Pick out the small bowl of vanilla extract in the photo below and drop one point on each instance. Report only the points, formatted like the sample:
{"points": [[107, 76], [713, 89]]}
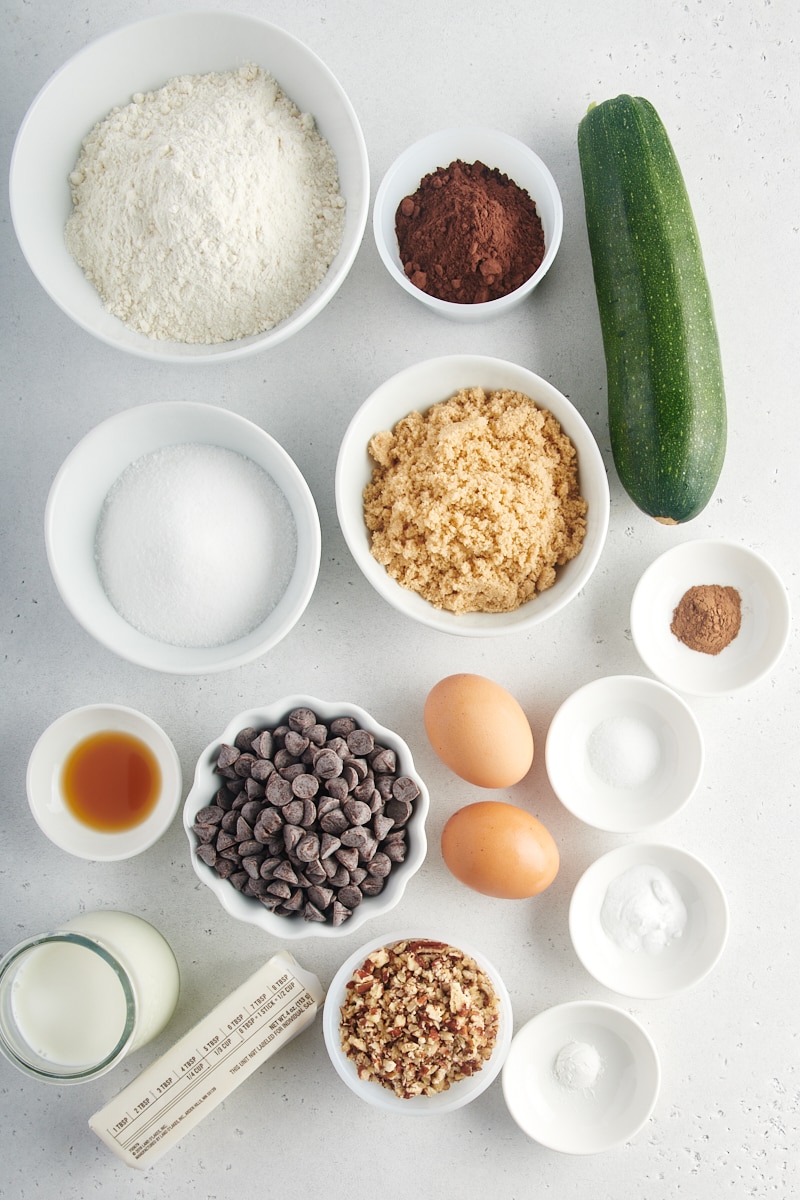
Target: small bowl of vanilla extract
{"points": [[104, 782]]}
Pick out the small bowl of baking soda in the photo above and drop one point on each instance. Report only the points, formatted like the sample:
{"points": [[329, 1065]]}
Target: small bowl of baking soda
{"points": [[468, 221], [624, 753], [648, 920], [183, 537]]}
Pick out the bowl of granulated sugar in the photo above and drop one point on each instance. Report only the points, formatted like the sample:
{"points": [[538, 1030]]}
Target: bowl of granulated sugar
{"points": [[183, 537], [192, 187]]}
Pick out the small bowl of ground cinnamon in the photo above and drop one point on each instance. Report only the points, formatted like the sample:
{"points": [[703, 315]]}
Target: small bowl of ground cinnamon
{"points": [[709, 618], [468, 221]]}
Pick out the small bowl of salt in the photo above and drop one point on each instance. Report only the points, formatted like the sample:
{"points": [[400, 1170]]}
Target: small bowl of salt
{"points": [[183, 537], [624, 753], [648, 920]]}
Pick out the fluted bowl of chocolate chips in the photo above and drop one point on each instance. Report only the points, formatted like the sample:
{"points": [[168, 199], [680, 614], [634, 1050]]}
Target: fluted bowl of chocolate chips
{"points": [[306, 817]]}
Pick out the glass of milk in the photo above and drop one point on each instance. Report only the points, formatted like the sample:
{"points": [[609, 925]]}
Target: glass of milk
{"points": [[74, 1002]]}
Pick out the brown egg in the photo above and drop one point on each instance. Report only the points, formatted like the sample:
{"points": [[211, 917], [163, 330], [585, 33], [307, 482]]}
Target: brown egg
{"points": [[500, 850], [479, 730]]}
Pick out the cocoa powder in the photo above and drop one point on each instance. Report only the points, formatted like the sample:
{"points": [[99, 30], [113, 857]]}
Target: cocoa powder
{"points": [[708, 618], [469, 234]]}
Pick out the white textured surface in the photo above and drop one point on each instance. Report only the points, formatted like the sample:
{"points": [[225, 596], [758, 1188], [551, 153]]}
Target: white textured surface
{"points": [[724, 78]]}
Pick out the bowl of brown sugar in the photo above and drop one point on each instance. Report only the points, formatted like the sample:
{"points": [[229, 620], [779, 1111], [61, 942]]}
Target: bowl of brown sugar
{"points": [[468, 221], [472, 495]]}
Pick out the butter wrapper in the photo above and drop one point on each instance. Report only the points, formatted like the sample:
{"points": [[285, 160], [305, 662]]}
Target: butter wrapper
{"points": [[173, 1094]]}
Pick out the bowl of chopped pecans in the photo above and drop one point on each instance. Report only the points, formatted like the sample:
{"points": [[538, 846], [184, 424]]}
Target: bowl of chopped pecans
{"points": [[417, 1024], [306, 817]]}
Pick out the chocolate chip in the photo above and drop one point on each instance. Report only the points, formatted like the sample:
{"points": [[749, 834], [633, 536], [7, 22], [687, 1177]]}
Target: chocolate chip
{"points": [[309, 818], [227, 756], [301, 719], [360, 742], [305, 786], [211, 815], [349, 896]]}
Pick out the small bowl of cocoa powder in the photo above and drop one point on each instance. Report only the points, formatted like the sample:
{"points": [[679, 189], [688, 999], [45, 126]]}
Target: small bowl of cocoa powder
{"points": [[709, 618], [468, 221]]}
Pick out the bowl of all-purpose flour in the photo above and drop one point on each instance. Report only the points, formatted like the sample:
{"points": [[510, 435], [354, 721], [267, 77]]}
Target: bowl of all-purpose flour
{"points": [[192, 187], [183, 537]]}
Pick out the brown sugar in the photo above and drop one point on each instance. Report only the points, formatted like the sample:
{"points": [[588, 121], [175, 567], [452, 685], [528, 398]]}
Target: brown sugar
{"points": [[475, 503]]}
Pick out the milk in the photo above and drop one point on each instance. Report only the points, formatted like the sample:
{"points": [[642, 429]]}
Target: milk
{"points": [[69, 1005], [147, 959], [74, 1002]]}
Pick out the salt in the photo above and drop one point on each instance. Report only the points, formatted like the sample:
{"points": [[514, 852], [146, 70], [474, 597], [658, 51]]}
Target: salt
{"points": [[624, 751], [195, 545]]}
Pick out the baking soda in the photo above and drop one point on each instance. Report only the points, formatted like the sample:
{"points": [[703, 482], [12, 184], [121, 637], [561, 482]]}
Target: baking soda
{"points": [[195, 545], [643, 910]]}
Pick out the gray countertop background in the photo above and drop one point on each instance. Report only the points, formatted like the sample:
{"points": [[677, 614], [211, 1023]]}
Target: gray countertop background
{"points": [[724, 77]]}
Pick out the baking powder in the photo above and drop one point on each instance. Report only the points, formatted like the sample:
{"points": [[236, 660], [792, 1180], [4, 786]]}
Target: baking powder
{"points": [[578, 1066], [208, 210]]}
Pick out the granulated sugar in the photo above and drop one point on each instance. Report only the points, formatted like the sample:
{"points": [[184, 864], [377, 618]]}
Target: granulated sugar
{"points": [[195, 545]]}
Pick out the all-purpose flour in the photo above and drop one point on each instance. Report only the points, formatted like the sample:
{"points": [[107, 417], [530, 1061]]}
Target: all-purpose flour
{"points": [[208, 210]]}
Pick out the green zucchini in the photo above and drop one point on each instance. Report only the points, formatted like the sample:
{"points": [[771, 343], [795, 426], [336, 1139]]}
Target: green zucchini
{"points": [[666, 396]]}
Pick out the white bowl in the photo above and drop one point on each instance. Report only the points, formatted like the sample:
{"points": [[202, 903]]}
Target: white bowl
{"points": [[686, 959], [140, 57], [248, 909], [76, 500], [764, 632], [46, 796], [496, 150], [417, 388], [464, 1091], [624, 753], [570, 1119]]}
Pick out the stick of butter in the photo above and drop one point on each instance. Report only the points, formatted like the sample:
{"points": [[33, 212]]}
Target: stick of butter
{"points": [[201, 1070]]}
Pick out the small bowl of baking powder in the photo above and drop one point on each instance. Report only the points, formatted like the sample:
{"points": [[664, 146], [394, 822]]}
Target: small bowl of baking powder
{"points": [[468, 221], [153, 196], [182, 537], [582, 1077]]}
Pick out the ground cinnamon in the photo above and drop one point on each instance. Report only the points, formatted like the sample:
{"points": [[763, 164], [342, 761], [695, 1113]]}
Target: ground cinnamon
{"points": [[708, 618], [469, 234]]}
